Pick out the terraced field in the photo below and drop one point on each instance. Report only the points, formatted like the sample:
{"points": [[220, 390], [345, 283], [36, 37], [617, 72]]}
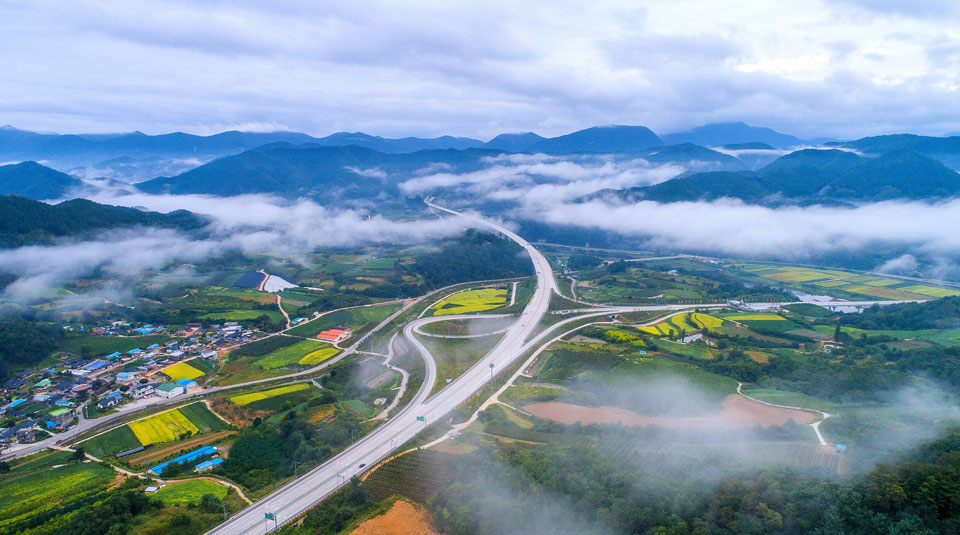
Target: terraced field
{"points": [[49, 489]]}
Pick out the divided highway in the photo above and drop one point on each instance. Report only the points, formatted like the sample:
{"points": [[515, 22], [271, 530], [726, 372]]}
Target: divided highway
{"points": [[296, 497]]}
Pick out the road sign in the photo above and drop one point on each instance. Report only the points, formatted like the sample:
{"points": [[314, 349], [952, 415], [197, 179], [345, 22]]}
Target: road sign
{"points": [[269, 516], [422, 419]]}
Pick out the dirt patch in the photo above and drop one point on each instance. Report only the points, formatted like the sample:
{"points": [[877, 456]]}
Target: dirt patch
{"points": [[757, 356], [454, 448], [737, 413], [117, 481], [586, 340], [402, 519]]}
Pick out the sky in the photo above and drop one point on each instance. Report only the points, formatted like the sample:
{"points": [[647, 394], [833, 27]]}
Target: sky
{"points": [[842, 69]]}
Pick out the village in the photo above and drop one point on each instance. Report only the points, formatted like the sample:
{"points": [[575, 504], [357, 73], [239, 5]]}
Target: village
{"points": [[40, 402]]}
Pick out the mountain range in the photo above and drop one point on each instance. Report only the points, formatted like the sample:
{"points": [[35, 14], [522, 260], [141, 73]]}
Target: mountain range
{"points": [[811, 176]]}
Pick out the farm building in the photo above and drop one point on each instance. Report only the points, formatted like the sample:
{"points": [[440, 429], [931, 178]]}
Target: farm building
{"points": [[208, 465], [334, 335], [126, 377], [186, 458], [188, 384], [169, 390]]}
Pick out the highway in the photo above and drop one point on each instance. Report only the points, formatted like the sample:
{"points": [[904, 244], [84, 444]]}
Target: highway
{"points": [[293, 499]]}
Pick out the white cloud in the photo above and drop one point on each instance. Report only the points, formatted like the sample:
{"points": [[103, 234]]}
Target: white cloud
{"points": [[732, 228], [480, 69]]}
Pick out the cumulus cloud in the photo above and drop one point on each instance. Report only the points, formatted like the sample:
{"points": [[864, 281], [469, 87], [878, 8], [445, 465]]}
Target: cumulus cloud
{"points": [[902, 265]]}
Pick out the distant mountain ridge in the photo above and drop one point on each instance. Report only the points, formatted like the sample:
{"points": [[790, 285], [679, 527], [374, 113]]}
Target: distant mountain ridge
{"points": [[811, 176], [719, 134]]}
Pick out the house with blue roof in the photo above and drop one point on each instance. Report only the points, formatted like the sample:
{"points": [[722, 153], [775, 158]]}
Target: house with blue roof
{"points": [[134, 351], [113, 355]]}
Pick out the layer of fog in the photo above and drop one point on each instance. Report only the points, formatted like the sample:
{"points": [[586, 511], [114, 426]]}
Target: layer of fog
{"points": [[731, 227], [545, 179], [250, 224]]}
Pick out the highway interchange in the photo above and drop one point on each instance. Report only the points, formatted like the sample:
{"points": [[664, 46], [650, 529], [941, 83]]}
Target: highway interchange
{"points": [[290, 501]]}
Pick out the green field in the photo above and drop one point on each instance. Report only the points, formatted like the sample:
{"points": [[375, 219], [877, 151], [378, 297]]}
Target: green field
{"points": [[290, 355], [162, 427], [353, 318], [32, 494], [360, 407], [791, 399], [471, 301], [181, 370], [188, 492], [246, 399], [97, 346], [244, 315]]}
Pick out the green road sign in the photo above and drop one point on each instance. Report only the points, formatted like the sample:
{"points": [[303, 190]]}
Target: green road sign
{"points": [[269, 516], [422, 419]]}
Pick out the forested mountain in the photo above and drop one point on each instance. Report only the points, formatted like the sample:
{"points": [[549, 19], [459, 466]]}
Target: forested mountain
{"points": [[514, 142], [813, 176], [615, 138], [473, 256], [26, 222], [718, 134], [945, 149], [34, 181], [325, 173]]}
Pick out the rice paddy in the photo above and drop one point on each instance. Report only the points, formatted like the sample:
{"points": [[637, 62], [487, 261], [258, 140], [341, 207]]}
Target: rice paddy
{"points": [[181, 370], [246, 399], [471, 301]]}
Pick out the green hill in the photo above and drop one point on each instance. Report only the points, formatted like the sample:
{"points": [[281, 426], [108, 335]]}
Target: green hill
{"points": [[34, 181], [27, 222]]}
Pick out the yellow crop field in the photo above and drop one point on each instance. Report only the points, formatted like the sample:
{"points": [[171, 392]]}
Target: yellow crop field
{"points": [[322, 412], [246, 399], [162, 427], [181, 370], [876, 291], [707, 321], [756, 317], [471, 301], [318, 356], [831, 284], [671, 326], [932, 291], [804, 275]]}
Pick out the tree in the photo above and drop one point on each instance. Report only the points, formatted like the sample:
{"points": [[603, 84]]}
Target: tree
{"points": [[210, 504], [78, 455]]}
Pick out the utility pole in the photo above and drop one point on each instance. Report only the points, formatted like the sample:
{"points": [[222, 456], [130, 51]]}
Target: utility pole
{"points": [[491, 376]]}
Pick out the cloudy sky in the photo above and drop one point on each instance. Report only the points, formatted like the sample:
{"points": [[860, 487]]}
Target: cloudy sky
{"points": [[840, 68]]}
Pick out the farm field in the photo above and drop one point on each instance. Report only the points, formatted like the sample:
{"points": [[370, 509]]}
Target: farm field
{"points": [[188, 492], [48, 489], [290, 355], [246, 399], [181, 370], [687, 323], [847, 283], [316, 357], [471, 301], [243, 315], [791, 399], [163, 427], [159, 428], [353, 318]]}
